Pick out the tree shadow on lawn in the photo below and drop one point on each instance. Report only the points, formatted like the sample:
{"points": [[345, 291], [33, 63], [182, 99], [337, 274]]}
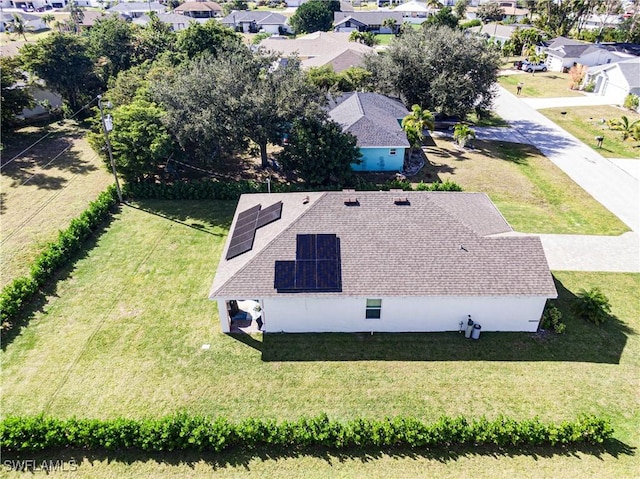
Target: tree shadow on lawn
{"points": [[546, 139], [582, 342], [38, 302], [199, 215], [238, 457]]}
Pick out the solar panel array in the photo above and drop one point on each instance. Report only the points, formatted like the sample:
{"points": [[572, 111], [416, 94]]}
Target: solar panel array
{"points": [[316, 268], [247, 223]]}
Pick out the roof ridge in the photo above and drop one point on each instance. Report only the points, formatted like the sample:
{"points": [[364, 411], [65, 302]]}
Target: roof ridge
{"points": [[266, 246]]}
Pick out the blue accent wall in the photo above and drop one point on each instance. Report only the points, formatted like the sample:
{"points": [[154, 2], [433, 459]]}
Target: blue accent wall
{"points": [[379, 159]]}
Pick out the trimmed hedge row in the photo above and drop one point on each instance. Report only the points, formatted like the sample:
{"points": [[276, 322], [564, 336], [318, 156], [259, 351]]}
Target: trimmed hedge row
{"points": [[184, 432], [216, 190], [56, 254]]}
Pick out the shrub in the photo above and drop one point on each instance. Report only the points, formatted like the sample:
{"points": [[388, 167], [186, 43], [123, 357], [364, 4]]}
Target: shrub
{"points": [[589, 87], [592, 305], [184, 432], [631, 101], [551, 318], [55, 255]]}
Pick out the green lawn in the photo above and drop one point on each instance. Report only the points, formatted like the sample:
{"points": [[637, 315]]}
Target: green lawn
{"points": [[532, 193], [122, 335], [585, 123], [540, 85]]}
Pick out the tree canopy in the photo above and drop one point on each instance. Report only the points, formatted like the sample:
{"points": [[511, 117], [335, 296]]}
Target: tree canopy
{"points": [[312, 16], [320, 153], [206, 38], [63, 62], [111, 43], [438, 68], [490, 12], [443, 18], [15, 96]]}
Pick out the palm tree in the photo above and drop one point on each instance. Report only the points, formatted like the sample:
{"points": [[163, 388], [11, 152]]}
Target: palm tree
{"points": [[628, 128], [48, 19], [391, 24], [18, 26], [462, 134], [415, 123]]}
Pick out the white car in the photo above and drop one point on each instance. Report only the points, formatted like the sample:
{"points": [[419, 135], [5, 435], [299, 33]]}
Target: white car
{"points": [[533, 67]]}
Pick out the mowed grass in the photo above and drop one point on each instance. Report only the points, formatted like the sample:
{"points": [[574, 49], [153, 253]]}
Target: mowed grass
{"points": [[43, 189], [585, 123], [122, 335], [532, 193], [540, 85]]}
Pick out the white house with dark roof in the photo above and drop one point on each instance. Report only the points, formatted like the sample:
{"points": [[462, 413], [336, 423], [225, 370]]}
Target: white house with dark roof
{"points": [[137, 9], [199, 9], [365, 21], [374, 119], [389, 261], [175, 21], [565, 52], [254, 21], [616, 80]]}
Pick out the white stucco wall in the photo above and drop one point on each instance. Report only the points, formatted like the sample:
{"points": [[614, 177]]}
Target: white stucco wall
{"points": [[611, 85], [308, 314]]}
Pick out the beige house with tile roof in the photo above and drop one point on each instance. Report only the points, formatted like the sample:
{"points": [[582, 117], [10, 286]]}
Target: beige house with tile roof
{"points": [[380, 261]]}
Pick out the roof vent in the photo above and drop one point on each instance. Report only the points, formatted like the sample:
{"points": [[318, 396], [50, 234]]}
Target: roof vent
{"points": [[351, 201], [305, 200], [401, 200], [395, 190]]}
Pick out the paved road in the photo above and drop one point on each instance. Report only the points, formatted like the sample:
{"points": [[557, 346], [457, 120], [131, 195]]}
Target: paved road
{"points": [[610, 184]]}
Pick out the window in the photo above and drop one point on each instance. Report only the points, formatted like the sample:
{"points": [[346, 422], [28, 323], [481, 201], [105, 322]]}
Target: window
{"points": [[392, 151], [374, 309]]}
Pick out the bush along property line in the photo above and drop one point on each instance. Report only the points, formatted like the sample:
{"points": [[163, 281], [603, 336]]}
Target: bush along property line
{"points": [[56, 254], [184, 432], [217, 190]]}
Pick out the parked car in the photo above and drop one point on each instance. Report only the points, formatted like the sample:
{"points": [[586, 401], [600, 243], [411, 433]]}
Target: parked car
{"points": [[445, 122], [534, 67]]}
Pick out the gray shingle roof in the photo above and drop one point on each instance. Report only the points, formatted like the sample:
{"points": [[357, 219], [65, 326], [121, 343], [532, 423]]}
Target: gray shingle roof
{"points": [[259, 17], [630, 69], [126, 7], [367, 18], [372, 118], [393, 250]]}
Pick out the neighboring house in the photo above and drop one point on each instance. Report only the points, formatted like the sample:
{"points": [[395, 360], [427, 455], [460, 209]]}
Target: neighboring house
{"points": [[563, 53], [256, 21], [616, 80], [90, 18], [414, 11], [510, 9], [498, 32], [177, 22], [598, 21], [41, 94], [365, 21], [32, 22], [137, 9], [374, 120], [385, 261], [199, 9], [320, 48], [28, 5]]}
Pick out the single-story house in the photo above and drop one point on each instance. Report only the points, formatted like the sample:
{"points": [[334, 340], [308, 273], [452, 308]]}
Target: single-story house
{"points": [[374, 120], [365, 21], [32, 22], [616, 80], [256, 21], [384, 261], [41, 95], [414, 11], [563, 53], [497, 31], [510, 10], [199, 9], [177, 22], [319, 49], [137, 9], [601, 20]]}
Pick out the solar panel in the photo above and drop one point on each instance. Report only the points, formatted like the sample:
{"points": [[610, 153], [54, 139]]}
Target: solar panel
{"points": [[306, 275], [248, 212], [327, 246], [305, 247], [285, 278], [327, 277], [269, 214]]}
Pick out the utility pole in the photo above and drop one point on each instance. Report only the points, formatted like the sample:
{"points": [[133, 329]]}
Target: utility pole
{"points": [[106, 129]]}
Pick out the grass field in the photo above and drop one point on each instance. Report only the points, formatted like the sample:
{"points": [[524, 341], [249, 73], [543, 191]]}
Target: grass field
{"points": [[121, 334], [585, 123], [43, 189], [540, 85], [531, 192]]}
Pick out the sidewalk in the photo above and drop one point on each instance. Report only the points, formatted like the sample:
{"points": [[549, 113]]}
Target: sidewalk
{"points": [[613, 184], [586, 100]]}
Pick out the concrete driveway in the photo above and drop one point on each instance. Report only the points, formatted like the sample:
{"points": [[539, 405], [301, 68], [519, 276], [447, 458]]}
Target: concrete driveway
{"points": [[615, 187]]}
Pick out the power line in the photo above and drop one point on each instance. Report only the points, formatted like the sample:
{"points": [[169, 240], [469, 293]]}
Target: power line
{"points": [[44, 166], [2, 165]]}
